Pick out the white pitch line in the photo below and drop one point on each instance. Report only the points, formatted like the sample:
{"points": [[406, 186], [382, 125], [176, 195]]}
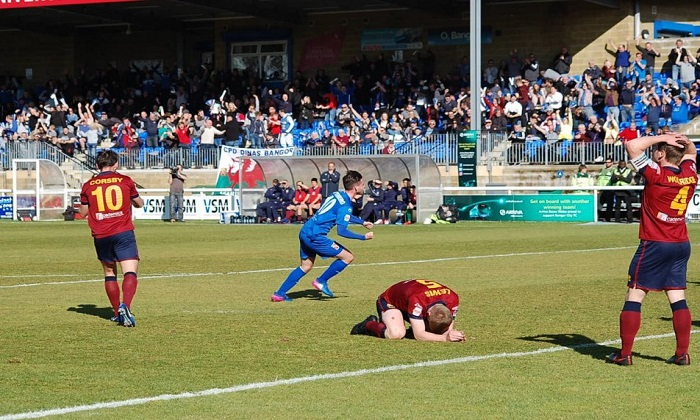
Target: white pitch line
{"points": [[313, 378], [272, 270]]}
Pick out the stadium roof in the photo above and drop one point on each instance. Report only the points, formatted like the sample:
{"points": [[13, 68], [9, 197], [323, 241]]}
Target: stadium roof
{"points": [[132, 15]]}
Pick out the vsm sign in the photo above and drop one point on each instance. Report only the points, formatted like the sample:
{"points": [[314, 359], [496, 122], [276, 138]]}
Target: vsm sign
{"points": [[198, 207]]}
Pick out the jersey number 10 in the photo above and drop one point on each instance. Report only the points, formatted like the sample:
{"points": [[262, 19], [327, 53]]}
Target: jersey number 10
{"points": [[110, 198]]}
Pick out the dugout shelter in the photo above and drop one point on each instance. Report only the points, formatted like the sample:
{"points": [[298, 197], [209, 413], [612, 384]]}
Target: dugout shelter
{"points": [[421, 169]]}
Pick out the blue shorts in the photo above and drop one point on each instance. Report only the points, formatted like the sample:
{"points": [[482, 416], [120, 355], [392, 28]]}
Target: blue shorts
{"points": [[658, 266], [310, 246], [115, 248], [383, 306]]}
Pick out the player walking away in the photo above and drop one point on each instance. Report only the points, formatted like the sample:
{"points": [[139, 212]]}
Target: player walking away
{"points": [[106, 200], [336, 210], [428, 306], [661, 260]]}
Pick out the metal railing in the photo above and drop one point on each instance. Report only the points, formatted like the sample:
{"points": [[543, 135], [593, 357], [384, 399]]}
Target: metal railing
{"points": [[493, 149]]}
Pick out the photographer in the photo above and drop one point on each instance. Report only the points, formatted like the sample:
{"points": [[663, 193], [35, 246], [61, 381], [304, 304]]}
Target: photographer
{"points": [[177, 180]]}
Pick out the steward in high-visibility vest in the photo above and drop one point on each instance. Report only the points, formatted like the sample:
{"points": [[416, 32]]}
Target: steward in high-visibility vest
{"points": [[622, 177], [607, 197]]}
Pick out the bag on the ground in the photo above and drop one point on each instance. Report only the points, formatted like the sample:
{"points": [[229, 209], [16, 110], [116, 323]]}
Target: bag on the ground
{"points": [[445, 214]]}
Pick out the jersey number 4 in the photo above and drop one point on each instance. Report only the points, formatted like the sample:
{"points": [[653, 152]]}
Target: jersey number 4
{"points": [[680, 201], [110, 198]]}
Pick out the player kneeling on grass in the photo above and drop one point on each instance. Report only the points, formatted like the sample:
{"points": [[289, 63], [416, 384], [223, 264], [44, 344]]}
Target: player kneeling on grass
{"points": [[428, 306], [106, 201]]}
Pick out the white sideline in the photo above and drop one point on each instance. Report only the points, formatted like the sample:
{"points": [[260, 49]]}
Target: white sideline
{"points": [[313, 378], [271, 270]]}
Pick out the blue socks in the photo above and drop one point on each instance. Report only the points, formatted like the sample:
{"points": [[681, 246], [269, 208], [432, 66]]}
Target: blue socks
{"points": [[291, 281], [334, 269], [293, 278]]}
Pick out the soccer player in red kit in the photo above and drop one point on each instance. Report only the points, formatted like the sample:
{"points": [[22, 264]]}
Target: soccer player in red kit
{"points": [[661, 260], [428, 306], [106, 200]]}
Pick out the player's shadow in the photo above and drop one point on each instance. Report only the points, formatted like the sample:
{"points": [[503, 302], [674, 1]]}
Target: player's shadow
{"points": [[90, 309], [697, 283], [582, 345], [669, 319], [311, 294]]}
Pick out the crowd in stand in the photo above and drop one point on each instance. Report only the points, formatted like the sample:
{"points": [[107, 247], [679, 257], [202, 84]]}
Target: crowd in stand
{"points": [[607, 105], [377, 102]]}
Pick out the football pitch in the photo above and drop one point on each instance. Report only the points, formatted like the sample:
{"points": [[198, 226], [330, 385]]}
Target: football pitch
{"points": [[539, 305]]}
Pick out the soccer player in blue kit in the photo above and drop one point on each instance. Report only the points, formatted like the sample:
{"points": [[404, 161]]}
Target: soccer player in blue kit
{"points": [[336, 210]]}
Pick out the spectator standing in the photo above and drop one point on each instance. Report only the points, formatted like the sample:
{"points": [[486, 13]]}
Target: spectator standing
{"points": [[286, 127], [184, 140], [661, 260], [176, 180], [679, 110], [627, 99], [562, 61], [150, 125], [232, 131], [622, 60], [677, 55], [649, 54], [653, 111], [330, 180], [686, 70], [207, 133], [638, 70]]}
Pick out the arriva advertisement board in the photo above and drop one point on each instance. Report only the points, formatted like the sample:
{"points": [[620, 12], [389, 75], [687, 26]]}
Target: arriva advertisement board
{"points": [[527, 208]]}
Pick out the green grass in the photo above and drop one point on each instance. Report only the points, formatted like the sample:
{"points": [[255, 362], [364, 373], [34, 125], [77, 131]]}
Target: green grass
{"points": [[204, 321]]}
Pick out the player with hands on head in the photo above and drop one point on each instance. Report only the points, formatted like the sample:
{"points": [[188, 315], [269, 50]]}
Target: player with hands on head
{"points": [[428, 306], [661, 260], [336, 210]]}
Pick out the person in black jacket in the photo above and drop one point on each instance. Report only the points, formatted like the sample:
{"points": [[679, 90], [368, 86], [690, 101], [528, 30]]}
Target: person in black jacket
{"points": [[273, 195], [374, 202], [329, 180]]}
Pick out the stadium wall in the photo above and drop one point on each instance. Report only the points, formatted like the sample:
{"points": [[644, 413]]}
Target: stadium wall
{"points": [[540, 28]]}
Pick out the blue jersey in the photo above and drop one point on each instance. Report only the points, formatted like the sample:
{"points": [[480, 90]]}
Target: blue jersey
{"points": [[336, 210]]}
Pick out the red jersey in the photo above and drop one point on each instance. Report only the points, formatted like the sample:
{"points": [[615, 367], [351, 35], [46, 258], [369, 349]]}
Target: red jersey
{"points": [[343, 140], [628, 134], [665, 201], [300, 196], [313, 193], [273, 125], [108, 196], [183, 135], [414, 297]]}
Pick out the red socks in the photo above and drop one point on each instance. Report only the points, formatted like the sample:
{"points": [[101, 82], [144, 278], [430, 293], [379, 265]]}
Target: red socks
{"points": [[112, 289], [129, 287], [682, 323], [630, 321], [376, 328]]}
